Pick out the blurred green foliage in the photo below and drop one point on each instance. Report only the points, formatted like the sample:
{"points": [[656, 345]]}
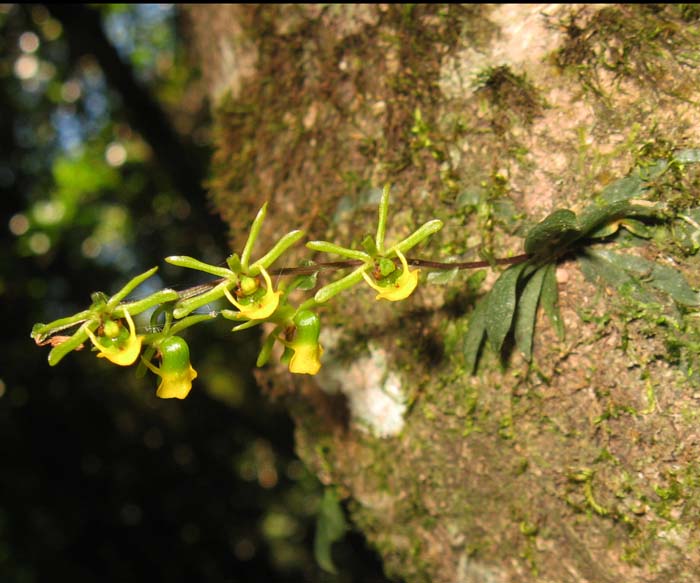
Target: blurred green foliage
{"points": [[101, 480]]}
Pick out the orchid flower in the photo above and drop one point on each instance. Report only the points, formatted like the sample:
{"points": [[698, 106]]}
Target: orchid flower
{"points": [[115, 345], [307, 351], [258, 309], [399, 289], [175, 371]]}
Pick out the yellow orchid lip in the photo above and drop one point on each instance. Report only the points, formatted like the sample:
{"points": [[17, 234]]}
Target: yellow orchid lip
{"points": [[306, 358], [125, 355], [175, 385], [401, 288], [175, 371], [262, 308]]}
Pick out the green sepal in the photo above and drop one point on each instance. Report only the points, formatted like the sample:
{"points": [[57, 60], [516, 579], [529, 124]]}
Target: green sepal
{"points": [[137, 306], [98, 300], [253, 235], [184, 323], [41, 331], [266, 348], [370, 246], [58, 352], [246, 325], [131, 285], [147, 356], [326, 247], [334, 288], [184, 307], [234, 263], [192, 263], [383, 211], [419, 235], [280, 247]]}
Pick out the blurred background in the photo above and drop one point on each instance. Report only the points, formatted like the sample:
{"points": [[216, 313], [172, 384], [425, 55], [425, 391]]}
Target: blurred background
{"points": [[105, 138]]}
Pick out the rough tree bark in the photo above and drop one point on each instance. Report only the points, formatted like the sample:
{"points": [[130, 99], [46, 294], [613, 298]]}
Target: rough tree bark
{"points": [[581, 467]]}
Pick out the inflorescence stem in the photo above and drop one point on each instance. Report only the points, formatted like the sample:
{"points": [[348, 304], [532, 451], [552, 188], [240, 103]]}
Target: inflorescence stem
{"points": [[334, 265]]}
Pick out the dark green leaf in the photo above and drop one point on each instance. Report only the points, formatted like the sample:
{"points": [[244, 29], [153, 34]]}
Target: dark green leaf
{"points": [[687, 156], [552, 233], [550, 299], [526, 313], [628, 187], [475, 335], [637, 228], [601, 265], [501, 305], [330, 527], [303, 282], [604, 231], [597, 215], [686, 230], [672, 282], [662, 277], [651, 274]]}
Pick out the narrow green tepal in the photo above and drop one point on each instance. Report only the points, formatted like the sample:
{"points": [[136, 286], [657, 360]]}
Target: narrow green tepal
{"points": [[381, 221], [418, 236], [184, 307], [42, 331], [192, 263], [335, 287], [131, 285], [138, 306], [252, 236], [266, 349], [501, 306], [273, 254], [326, 247], [80, 336]]}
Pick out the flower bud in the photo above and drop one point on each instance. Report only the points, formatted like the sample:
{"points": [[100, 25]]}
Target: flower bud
{"points": [[307, 350], [175, 371]]}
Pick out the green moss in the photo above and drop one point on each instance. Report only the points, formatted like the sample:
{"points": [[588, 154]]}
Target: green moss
{"points": [[649, 46], [513, 99]]}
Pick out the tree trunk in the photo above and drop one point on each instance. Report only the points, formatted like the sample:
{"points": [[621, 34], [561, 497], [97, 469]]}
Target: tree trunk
{"points": [[581, 466]]}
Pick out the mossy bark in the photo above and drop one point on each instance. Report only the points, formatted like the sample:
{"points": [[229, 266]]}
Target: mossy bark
{"points": [[582, 466]]}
